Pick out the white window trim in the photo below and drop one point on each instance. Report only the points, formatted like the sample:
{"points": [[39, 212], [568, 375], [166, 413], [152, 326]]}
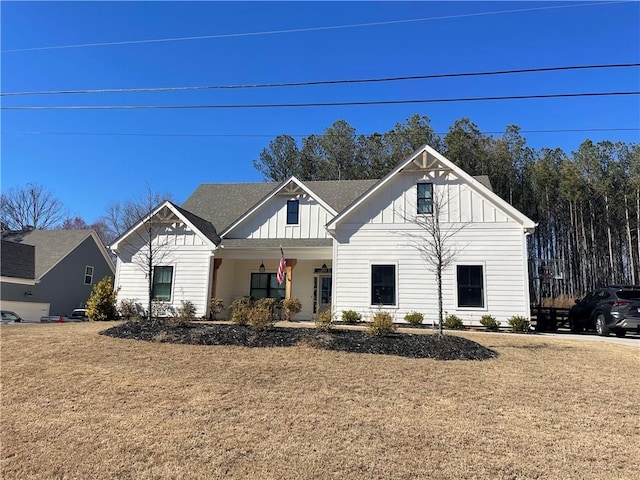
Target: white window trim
{"points": [[370, 282], [485, 307], [88, 274]]}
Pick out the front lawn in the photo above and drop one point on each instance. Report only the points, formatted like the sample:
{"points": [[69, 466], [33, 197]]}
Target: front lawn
{"points": [[80, 405]]}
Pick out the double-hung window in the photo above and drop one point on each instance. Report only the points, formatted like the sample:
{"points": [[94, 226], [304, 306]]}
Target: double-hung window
{"points": [[162, 278], [425, 198], [383, 285], [293, 207], [470, 286], [88, 275], [265, 285]]}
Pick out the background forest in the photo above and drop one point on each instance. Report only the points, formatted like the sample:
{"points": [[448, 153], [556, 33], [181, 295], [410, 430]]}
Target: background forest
{"points": [[586, 202]]}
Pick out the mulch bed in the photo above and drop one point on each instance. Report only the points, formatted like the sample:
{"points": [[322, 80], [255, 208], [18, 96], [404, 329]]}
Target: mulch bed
{"points": [[445, 347]]}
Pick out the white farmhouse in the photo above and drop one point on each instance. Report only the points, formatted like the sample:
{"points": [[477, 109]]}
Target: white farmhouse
{"points": [[348, 245]]}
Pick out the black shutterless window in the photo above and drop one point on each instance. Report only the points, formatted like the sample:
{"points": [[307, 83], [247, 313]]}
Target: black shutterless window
{"points": [[383, 284], [470, 286], [162, 278], [425, 198], [293, 207]]}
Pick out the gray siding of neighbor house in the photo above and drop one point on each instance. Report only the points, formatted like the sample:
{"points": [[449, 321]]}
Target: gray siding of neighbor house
{"points": [[63, 287]]}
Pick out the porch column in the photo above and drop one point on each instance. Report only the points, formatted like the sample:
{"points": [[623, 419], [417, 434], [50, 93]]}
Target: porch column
{"points": [[214, 278], [291, 263]]}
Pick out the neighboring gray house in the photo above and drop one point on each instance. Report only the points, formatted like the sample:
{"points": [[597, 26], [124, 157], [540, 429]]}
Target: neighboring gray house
{"points": [[50, 272]]}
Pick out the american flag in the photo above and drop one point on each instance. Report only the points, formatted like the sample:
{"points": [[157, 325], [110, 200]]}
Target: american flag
{"points": [[282, 273]]}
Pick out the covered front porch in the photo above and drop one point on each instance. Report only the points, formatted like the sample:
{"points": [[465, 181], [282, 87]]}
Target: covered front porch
{"points": [[249, 268]]}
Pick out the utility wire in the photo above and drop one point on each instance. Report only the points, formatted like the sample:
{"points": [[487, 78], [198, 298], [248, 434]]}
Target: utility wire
{"points": [[325, 82], [320, 104], [130, 134], [310, 29]]}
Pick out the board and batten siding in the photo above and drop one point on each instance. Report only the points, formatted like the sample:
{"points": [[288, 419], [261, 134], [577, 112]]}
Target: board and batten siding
{"points": [[396, 203], [182, 249], [377, 234], [270, 221]]}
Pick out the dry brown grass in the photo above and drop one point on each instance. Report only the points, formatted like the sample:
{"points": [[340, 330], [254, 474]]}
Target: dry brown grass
{"points": [[78, 405], [561, 301]]}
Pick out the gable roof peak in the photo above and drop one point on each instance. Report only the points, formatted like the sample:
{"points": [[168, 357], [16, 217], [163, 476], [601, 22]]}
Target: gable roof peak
{"points": [[198, 224], [422, 154]]}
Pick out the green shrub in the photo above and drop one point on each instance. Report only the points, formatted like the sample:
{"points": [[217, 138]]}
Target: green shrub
{"points": [[414, 318], [290, 308], [185, 315], [519, 323], [102, 301], [262, 314], [324, 320], [382, 324], [490, 323], [239, 310], [454, 322], [351, 316], [216, 305]]}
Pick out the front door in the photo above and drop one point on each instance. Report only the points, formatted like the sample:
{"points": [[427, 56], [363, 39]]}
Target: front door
{"points": [[321, 293]]}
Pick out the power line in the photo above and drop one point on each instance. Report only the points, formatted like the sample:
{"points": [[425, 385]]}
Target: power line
{"points": [[325, 82], [310, 29], [299, 135], [320, 104]]}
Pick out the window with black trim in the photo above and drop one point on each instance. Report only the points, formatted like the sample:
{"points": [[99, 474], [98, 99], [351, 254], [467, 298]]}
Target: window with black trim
{"points": [[88, 275], [425, 198], [293, 207], [383, 284], [265, 285], [162, 278], [470, 286]]}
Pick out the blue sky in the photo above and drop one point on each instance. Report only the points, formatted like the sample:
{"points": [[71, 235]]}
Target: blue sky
{"points": [[81, 158]]}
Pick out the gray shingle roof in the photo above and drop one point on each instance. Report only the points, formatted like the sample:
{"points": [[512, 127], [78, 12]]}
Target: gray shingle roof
{"points": [[221, 204], [484, 180], [51, 246], [224, 203], [17, 260], [201, 224]]}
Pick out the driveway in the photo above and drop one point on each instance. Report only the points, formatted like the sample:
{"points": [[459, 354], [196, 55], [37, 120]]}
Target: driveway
{"points": [[632, 340]]}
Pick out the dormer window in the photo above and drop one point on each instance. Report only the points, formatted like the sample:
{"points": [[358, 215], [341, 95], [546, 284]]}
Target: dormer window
{"points": [[292, 212], [425, 198]]}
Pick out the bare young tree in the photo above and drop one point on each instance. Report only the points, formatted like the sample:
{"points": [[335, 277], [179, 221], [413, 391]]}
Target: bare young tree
{"points": [[435, 239], [121, 216], [145, 247], [32, 206]]}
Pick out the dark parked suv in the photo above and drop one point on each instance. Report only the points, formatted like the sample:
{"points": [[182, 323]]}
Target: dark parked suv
{"points": [[611, 309]]}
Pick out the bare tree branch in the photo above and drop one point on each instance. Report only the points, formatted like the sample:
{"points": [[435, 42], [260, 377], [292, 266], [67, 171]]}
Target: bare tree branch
{"points": [[32, 206]]}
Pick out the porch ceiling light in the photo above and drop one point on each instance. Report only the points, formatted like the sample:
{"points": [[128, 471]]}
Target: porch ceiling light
{"points": [[261, 268]]}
